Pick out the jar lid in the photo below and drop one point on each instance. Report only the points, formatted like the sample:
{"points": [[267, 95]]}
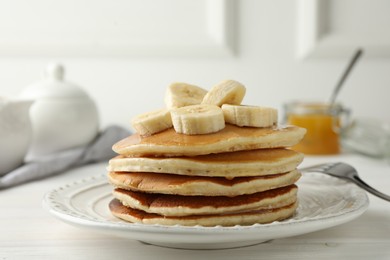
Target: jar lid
{"points": [[53, 85]]}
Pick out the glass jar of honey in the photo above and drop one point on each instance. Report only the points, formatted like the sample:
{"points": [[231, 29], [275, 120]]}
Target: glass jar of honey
{"points": [[322, 122]]}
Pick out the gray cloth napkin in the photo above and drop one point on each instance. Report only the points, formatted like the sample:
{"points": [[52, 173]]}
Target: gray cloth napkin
{"points": [[98, 150]]}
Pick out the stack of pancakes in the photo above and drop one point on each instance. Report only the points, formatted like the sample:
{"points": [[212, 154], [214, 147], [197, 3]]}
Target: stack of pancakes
{"points": [[237, 176]]}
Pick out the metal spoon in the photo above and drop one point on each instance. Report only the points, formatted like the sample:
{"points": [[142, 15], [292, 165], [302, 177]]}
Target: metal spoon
{"points": [[346, 172], [351, 64]]}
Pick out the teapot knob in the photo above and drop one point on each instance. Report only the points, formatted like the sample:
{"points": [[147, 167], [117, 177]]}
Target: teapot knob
{"points": [[55, 71]]}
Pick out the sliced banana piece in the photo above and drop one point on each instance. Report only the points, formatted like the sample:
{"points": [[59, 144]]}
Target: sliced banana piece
{"points": [[253, 116], [152, 122], [225, 92], [181, 94], [197, 119]]}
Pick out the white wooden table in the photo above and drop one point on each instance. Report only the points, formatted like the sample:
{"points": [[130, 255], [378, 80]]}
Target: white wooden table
{"points": [[27, 231]]}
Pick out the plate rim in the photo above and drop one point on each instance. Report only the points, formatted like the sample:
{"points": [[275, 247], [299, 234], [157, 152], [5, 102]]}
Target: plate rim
{"points": [[48, 201]]}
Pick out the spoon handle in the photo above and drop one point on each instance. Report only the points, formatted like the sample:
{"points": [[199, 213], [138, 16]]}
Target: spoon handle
{"points": [[345, 75]]}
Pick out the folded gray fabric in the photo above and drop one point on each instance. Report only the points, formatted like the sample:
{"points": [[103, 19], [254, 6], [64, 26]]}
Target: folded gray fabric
{"points": [[97, 150]]}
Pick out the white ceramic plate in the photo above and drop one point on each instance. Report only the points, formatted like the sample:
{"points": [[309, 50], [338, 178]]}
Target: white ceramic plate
{"points": [[323, 202]]}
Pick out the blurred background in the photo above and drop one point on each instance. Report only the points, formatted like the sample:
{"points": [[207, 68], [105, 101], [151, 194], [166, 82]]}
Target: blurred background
{"points": [[125, 53]]}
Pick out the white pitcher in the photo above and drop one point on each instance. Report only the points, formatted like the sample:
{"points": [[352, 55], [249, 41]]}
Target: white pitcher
{"points": [[15, 132]]}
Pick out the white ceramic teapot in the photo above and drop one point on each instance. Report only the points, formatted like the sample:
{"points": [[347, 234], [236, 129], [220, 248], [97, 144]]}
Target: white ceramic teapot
{"points": [[63, 115], [15, 133]]}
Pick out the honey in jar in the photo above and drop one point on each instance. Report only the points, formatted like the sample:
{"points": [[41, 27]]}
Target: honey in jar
{"points": [[322, 122]]}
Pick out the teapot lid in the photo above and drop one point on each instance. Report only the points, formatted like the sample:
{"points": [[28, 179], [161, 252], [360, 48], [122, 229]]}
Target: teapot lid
{"points": [[53, 85]]}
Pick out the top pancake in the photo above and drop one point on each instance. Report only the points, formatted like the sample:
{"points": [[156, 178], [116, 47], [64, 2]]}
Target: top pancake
{"points": [[232, 138]]}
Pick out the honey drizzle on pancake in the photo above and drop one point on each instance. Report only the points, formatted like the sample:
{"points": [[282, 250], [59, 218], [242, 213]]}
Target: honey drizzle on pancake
{"points": [[169, 138]]}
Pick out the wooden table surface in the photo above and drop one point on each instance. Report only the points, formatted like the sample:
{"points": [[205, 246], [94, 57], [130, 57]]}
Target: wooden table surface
{"points": [[27, 231]]}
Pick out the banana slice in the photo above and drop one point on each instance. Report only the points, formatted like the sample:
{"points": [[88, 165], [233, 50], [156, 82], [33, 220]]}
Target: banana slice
{"points": [[226, 92], [253, 116], [152, 122], [197, 119], [180, 94]]}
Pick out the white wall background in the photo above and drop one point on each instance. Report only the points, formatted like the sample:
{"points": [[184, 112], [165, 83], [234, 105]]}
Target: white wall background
{"points": [[125, 53]]}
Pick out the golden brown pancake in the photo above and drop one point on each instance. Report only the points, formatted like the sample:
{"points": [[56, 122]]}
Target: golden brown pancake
{"points": [[229, 165], [174, 205], [198, 185], [243, 218], [232, 138]]}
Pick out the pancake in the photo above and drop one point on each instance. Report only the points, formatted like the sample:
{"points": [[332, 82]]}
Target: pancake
{"points": [[229, 165], [198, 185], [174, 205], [243, 218], [232, 138]]}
